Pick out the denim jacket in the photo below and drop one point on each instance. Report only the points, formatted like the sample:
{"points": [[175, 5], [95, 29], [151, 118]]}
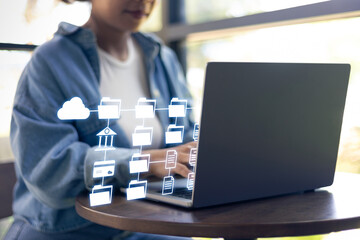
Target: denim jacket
{"points": [[53, 158]]}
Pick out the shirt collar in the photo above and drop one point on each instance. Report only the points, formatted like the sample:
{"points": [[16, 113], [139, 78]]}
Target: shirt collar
{"points": [[85, 37]]}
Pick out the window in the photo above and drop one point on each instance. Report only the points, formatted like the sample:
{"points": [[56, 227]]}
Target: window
{"points": [[35, 21], [210, 10], [154, 23], [27, 22], [255, 30], [11, 66], [276, 31], [309, 42]]}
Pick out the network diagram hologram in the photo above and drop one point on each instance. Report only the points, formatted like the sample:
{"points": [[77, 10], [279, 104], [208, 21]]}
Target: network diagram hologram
{"points": [[101, 194]]}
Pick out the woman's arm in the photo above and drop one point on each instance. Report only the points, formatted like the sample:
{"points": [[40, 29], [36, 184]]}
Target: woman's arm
{"points": [[182, 166], [50, 156]]}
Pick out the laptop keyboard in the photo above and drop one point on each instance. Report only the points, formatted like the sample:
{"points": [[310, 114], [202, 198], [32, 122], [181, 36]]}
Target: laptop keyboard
{"points": [[181, 193]]}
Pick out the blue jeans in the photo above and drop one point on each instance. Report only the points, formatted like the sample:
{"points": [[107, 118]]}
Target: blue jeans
{"points": [[21, 230]]}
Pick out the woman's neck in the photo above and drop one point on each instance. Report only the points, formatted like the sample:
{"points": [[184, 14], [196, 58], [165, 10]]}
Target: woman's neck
{"points": [[109, 39]]}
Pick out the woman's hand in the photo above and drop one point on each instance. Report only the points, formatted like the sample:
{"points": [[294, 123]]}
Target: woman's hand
{"points": [[158, 168]]}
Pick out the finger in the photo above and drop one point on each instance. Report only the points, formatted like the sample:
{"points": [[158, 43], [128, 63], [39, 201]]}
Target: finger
{"points": [[185, 148], [190, 145], [182, 170], [193, 144], [183, 158]]}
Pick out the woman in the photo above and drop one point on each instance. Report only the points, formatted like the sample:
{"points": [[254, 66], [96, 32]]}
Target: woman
{"points": [[54, 158]]}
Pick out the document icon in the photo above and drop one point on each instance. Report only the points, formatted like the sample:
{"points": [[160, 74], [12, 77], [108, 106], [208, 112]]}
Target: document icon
{"points": [[142, 136], [136, 190], [190, 181], [101, 195], [139, 163], [168, 185], [171, 158], [109, 108], [104, 168], [145, 108], [193, 156], [177, 108], [196, 132], [174, 134]]}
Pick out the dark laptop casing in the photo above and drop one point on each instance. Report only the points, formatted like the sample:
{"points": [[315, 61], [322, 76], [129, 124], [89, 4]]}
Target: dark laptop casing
{"points": [[268, 129]]}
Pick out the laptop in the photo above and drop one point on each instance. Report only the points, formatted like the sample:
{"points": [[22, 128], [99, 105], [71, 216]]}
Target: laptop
{"points": [[266, 129]]}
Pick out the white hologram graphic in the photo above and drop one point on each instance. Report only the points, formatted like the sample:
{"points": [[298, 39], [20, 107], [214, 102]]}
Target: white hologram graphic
{"points": [[171, 159], [101, 195], [108, 136], [177, 108], [109, 108], [142, 136], [136, 190], [168, 185], [104, 168], [73, 109], [139, 163], [145, 108], [193, 157], [196, 132], [174, 134]]}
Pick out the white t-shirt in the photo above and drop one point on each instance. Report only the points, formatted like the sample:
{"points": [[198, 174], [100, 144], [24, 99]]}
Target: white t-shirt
{"points": [[126, 80]]}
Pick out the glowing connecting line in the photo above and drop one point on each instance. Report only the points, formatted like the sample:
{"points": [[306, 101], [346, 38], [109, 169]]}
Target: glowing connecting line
{"points": [[193, 158], [142, 136], [169, 181], [192, 163], [111, 109], [108, 109], [173, 135]]}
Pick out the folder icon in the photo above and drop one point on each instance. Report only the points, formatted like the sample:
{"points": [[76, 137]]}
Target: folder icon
{"points": [[174, 134], [171, 159], [104, 168], [168, 185], [139, 163], [142, 136], [177, 108], [101, 195], [136, 190], [145, 108], [196, 131], [193, 156], [109, 108]]}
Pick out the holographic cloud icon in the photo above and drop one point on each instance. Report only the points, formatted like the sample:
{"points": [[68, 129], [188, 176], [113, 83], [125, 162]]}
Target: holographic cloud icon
{"points": [[73, 109]]}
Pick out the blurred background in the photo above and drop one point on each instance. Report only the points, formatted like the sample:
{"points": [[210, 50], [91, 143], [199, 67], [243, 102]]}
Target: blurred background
{"points": [[207, 30]]}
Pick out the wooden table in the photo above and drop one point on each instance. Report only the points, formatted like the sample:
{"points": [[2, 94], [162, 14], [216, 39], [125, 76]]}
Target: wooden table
{"points": [[326, 210]]}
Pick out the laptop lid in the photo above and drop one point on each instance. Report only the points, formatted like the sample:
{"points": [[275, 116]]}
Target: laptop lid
{"points": [[268, 129]]}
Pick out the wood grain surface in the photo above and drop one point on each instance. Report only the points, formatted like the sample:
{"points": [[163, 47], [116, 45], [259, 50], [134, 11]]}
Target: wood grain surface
{"points": [[326, 210]]}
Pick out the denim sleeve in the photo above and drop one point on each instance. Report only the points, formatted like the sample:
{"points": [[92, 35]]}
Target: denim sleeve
{"points": [[48, 154]]}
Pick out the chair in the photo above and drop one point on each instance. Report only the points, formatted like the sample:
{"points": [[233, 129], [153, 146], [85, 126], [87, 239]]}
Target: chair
{"points": [[7, 182]]}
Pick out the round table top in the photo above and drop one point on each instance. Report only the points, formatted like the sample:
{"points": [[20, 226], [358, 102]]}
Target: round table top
{"points": [[326, 210]]}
